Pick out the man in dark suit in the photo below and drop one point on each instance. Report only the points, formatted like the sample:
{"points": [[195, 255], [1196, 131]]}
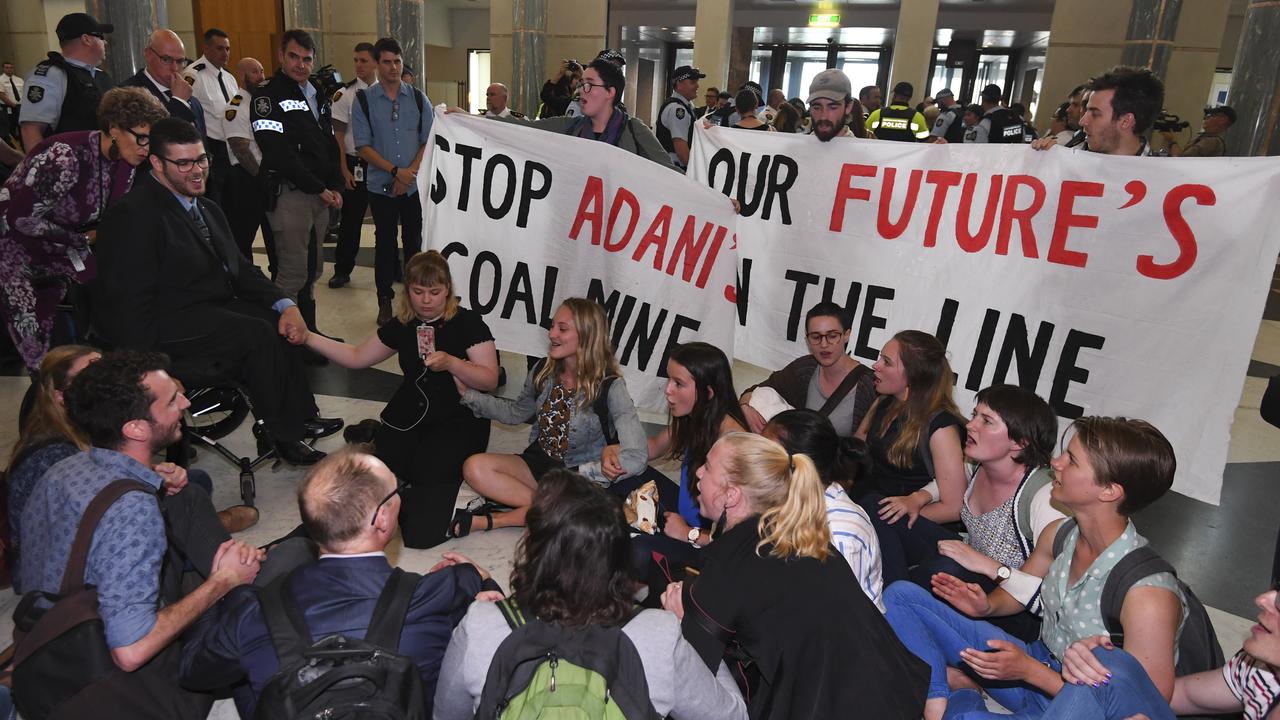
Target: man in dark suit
{"points": [[349, 505], [170, 278], [162, 77]]}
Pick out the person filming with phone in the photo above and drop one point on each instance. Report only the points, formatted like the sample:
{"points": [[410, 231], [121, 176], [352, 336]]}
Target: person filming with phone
{"points": [[557, 92]]}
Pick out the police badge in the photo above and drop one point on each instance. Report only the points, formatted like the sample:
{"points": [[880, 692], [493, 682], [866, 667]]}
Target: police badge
{"points": [[35, 93], [262, 106]]}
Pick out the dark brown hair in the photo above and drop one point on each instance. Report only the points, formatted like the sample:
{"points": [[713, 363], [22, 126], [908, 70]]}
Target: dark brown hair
{"points": [[1130, 453]]}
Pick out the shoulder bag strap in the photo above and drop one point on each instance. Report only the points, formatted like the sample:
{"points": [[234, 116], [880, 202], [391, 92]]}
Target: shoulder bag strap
{"points": [[601, 408], [511, 612], [288, 630], [850, 381], [73, 576], [1060, 537], [387, 620], [1139, 563], [1026, 494], [363, 99]]}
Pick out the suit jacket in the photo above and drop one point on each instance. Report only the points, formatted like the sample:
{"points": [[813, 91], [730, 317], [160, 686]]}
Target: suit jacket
{"points": [[193, 113], [230, 642], [153, 266]]}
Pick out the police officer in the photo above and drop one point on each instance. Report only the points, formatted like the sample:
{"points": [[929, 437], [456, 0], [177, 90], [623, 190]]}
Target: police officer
{"points": [[898, 121], [675, 117], [291, 125], [495, 100], [246, 190], [63, 91], [213, 87], [949, 126], [997, 125], [355, 192]]}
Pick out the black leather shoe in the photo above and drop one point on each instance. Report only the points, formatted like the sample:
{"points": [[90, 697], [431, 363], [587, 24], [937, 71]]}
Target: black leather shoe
{"points": [[319, 427], [338, 281], [296, 452]]}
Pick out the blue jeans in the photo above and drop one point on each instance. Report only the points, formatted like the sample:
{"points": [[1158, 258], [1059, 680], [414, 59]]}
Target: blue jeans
{"points": [[936, 633], [1130, 691]]}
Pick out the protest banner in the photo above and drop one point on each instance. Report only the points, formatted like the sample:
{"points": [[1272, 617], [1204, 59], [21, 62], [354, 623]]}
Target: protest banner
{"points": [[528, 218], [1126, 286]]}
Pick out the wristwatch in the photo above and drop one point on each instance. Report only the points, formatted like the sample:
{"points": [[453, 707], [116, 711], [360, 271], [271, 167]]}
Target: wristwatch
{"points": [[1003, 573], [694, 534]]}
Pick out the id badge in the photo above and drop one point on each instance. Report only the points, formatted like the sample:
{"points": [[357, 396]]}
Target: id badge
{"points": [[359, 172], [76, 258], [426, 341]]}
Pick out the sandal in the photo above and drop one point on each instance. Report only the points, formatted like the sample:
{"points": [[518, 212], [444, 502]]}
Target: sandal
{"points": [[462, 519]]}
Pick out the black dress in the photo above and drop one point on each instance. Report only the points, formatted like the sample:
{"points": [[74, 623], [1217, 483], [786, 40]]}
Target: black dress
{"points": [[426, 432], [821, 648]]}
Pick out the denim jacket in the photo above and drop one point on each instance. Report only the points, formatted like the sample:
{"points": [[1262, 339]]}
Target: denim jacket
{"points": [[586, 436]]}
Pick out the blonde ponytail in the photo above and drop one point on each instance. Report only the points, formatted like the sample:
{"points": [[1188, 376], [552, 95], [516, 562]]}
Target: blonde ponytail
{"points": [[798, 527]]}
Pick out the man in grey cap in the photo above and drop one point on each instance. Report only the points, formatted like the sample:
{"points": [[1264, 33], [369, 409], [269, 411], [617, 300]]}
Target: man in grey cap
{"points": [[675, 117], [949, 127], [63, 91], [830, 99]]}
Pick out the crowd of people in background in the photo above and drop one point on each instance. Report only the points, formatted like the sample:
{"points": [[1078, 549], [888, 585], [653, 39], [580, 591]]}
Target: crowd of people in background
{"points": [[840, 539]]}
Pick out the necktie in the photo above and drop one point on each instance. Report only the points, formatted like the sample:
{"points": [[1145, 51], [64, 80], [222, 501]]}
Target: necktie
{"points": [[12, 84], [223, 88], [202, 226]]}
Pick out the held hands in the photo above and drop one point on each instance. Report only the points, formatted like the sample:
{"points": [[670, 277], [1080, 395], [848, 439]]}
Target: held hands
{"points": [[675, 527], [1044, 143], [968, 598], [449, 559], [238, 562], [611, 461], [755, 421], [893, 509], [1080, 667], [291, 326], [172, 477], [1003, 661], [969, 559], [673, 600]]}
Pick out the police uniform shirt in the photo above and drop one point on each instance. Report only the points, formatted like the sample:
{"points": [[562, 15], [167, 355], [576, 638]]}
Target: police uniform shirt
{"points": [[46, 88], [341, 111], [11, 86], [971, 134], [213, 97], [505, 114], [235, 124], [944, 121], [677, 117], [575, 107], [982, 131]]}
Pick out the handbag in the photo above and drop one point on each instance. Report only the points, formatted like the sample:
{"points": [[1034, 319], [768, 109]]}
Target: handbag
{"points": [[61, 650]]}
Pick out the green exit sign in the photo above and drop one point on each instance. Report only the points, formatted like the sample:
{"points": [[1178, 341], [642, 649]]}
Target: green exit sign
{"points": [[824, 20]]}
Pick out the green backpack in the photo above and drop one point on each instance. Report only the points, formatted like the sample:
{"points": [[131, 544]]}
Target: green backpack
{"points": [[546, 671]]}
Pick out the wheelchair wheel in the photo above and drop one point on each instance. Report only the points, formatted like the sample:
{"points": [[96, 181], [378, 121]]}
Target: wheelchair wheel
{"points": [[217, 411]]}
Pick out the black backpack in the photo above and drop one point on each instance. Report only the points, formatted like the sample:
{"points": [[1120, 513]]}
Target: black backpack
{"points": [[340, 677], [1198, 647], [524, 670]]}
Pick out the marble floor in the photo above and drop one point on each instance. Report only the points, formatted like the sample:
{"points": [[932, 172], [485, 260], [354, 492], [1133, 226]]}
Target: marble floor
{"points": [[1224, 552]]}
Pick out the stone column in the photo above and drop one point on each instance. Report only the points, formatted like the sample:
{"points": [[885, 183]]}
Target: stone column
{"points": [[403, 20], [528, 53], [1085, 38], [913, 46], [306, 15], [1149, 39], [134, 21], [713, 25], [1255, 84]]}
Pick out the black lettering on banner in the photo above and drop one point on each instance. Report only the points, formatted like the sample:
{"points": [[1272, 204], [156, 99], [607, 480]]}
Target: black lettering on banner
{"points": [[549, 277], [528, 193], [871, 321], [641, 337], [741, 291], [850, 303], [439, 189], [455, 248], [802, 280], [1068, 372], [673, 339], [947, 320], [771, 185], [497, 212], [468, 153], [982, 349], [644, 336], [484, 307], [520, 291], [1030, 357]]}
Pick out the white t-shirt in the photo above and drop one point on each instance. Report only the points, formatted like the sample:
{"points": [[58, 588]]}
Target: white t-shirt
{"points": [[235, 124], [341, 111]]}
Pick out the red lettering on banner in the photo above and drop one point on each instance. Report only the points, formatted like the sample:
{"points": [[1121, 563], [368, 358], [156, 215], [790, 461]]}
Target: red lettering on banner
{"points": [[1009, 214], [887, 228], [1180, 230], [627, 198], [656, 236], [1067, 219], [590, 209], [973, 242], [944, 180], [845, 191]]}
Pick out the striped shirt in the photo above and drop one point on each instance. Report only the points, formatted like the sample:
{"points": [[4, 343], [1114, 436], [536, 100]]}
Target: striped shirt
{"points": [[855, 538], [1253, 682]]}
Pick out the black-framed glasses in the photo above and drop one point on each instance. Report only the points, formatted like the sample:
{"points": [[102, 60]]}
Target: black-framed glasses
{"points": [[830, 338], [142, 139], [185, 165], [395, 111], [585, 86], [166, 59], [400, 487]]}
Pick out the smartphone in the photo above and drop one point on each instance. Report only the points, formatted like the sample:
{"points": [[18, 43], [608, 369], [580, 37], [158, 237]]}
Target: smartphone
{"points": [[426, 341]]}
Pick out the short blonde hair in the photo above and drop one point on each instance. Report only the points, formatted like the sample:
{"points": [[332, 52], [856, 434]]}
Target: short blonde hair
{"points": [[785, 490], [426, 269]]}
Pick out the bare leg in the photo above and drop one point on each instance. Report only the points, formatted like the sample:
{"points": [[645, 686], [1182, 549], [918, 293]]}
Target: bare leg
{"points": [[505, 479]]}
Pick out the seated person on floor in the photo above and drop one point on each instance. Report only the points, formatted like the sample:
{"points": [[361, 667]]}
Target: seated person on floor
{"points": [[1010, 441], [1110, 469], [828, 379], [48, 436], [562, 395], [426, 433], [837, 459], [701, 399], [349, 503], [130, 409], [1098, 677], [572, 569], [804, 639], [172, 279], [915, 436]]}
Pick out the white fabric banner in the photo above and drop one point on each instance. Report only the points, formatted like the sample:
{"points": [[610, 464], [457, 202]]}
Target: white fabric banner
{"points": [[528, 218], [1111, 285]]}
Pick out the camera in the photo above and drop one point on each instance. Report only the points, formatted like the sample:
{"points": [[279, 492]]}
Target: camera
{"points": [[572, 65], [1168, 122], [329, 80]]}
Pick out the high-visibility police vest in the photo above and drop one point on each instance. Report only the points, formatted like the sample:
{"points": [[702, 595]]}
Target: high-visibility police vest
{"points": [[894, 123]]}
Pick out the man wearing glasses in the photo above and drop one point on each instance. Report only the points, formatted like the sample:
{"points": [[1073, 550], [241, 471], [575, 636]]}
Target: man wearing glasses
{"points": [[391, 122], [350, 507], [290, 119], [171, 279], [62, 92], [162, 76]]}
